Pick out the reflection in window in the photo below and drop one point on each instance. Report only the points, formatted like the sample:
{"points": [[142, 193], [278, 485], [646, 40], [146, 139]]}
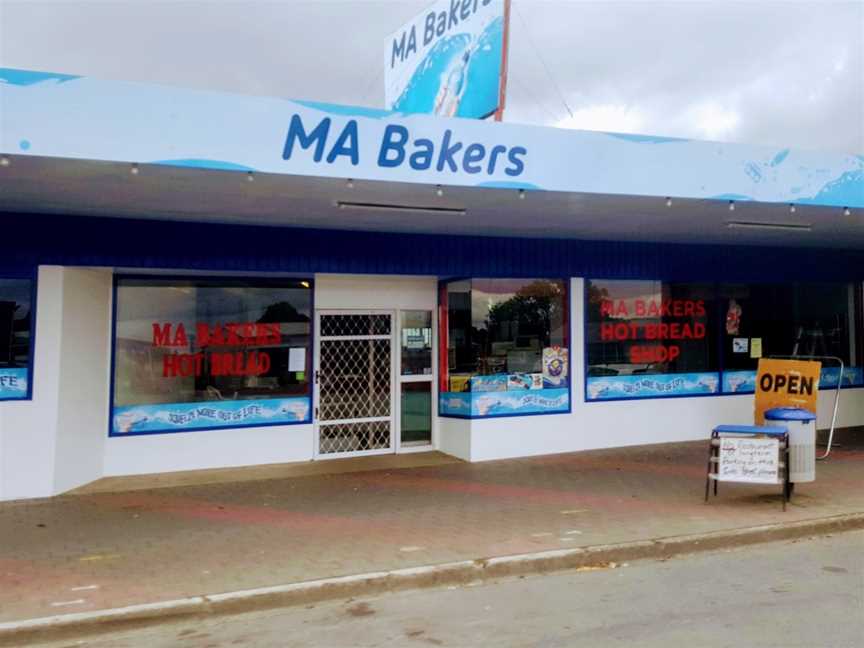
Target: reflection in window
{"points": [[243, 344], [498, 327], [793, 319], [506, 345]]}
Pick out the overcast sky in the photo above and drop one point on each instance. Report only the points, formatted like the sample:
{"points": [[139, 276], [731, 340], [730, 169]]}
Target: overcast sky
{"points": [[773, 73]]}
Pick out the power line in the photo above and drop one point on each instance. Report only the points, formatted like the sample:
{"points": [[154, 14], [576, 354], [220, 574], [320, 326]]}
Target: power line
{"points": [[543, 62], [376, 78], [532, 97]]}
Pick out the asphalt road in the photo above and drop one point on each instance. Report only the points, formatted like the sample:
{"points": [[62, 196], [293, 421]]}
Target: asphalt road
{"points": [[806, 593]]}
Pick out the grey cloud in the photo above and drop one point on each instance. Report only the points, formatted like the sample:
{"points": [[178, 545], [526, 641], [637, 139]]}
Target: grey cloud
{"points": [[784, 73]]}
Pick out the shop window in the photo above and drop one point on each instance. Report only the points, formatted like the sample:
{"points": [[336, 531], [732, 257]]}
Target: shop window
{"points": [[193, 354], [16, 332], [649, 339], [791, 319], [504, 347]]}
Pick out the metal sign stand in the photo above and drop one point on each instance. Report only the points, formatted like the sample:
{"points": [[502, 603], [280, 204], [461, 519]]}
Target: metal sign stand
{"points": [[839, 361]]}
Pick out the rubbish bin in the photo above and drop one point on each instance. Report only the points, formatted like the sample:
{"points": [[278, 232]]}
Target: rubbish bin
{"points": [[801, 425]]}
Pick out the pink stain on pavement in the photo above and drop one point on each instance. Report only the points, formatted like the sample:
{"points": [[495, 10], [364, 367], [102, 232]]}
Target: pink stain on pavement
{"points": [[210, 511]]}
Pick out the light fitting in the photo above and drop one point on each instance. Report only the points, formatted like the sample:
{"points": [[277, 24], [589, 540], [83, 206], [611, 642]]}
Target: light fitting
{"points": [[794, 227], [390, 207]]}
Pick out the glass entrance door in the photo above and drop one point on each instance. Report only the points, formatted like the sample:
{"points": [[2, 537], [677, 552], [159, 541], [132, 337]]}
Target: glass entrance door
{"points": [[354, 394], [416, 379]]}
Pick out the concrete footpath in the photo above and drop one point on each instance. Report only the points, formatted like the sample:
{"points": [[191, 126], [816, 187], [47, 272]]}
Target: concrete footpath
{"points": [[219, 547]]}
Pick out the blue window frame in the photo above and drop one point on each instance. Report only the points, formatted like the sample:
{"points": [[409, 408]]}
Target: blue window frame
{"points": [[192, 354], [17, 339]]}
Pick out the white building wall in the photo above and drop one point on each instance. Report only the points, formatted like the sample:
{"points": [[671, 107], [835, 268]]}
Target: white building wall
{"points": [[55, 441], [155, 453], [28, 429], [82, 407], [59, 440], [455, 437], [385, 292]]}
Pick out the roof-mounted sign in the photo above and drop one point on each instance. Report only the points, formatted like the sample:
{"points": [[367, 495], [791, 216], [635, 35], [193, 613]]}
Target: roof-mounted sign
{"points": [[448, 60]]}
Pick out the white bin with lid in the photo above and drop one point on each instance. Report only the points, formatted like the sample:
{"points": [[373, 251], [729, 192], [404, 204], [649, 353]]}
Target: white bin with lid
{"points": [[801, 425]]}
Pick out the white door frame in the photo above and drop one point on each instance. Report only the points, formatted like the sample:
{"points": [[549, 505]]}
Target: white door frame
{"points": [[394, 382], [432, 378]]}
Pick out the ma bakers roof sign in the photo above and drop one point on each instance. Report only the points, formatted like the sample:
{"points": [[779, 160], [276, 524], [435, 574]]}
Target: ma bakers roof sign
{"points": [[397, 147], [52, 115]]}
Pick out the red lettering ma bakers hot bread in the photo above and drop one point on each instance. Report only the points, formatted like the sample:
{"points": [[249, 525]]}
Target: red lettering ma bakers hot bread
{"points": [[229, 363], [653, 308], [232, 334]]}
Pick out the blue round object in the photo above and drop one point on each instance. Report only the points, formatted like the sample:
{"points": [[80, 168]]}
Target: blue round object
{"points": [[789, 414]]}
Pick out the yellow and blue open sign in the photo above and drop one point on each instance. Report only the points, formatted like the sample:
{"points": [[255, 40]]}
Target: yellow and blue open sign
{"points": [[786, 383]]}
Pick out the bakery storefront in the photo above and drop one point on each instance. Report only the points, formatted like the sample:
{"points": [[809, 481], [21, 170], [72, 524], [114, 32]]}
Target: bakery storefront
{"points": [[336, 284]]}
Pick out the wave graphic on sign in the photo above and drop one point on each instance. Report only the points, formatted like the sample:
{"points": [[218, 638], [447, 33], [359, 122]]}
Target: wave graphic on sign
{"points": [[505, 403], [218, 165], [651, 385], [13, 76], [459, 76], [171, 417]]}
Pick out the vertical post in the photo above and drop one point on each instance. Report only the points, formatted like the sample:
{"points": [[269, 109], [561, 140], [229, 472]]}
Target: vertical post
{"points": [[708, 469], [443, 359], [502, 80]]}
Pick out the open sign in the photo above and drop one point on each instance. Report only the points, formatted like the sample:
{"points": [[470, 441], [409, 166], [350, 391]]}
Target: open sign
{"points": [[786, 383]]}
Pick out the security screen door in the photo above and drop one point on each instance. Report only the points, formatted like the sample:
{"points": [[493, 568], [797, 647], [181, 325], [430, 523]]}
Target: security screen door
{"points": [[354, 383]]}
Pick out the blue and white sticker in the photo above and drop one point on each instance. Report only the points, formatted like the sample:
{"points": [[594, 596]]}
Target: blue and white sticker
{"points": [[647, 386], [744, 382], [851, 376], [739, 382], [505, 403], [178, 417], [13, 383]]}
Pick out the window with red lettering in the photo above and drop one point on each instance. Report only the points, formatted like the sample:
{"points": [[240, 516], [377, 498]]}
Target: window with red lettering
{"points": [[650, 327], [206, 340]]}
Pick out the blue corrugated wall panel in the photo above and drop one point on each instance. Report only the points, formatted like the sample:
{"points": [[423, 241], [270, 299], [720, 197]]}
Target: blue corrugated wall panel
{"points": [[33, 239]]}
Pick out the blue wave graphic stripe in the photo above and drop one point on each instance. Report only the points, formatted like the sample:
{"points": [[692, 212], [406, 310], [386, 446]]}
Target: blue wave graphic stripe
{"points": [[13, 76], [219, 165]]}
